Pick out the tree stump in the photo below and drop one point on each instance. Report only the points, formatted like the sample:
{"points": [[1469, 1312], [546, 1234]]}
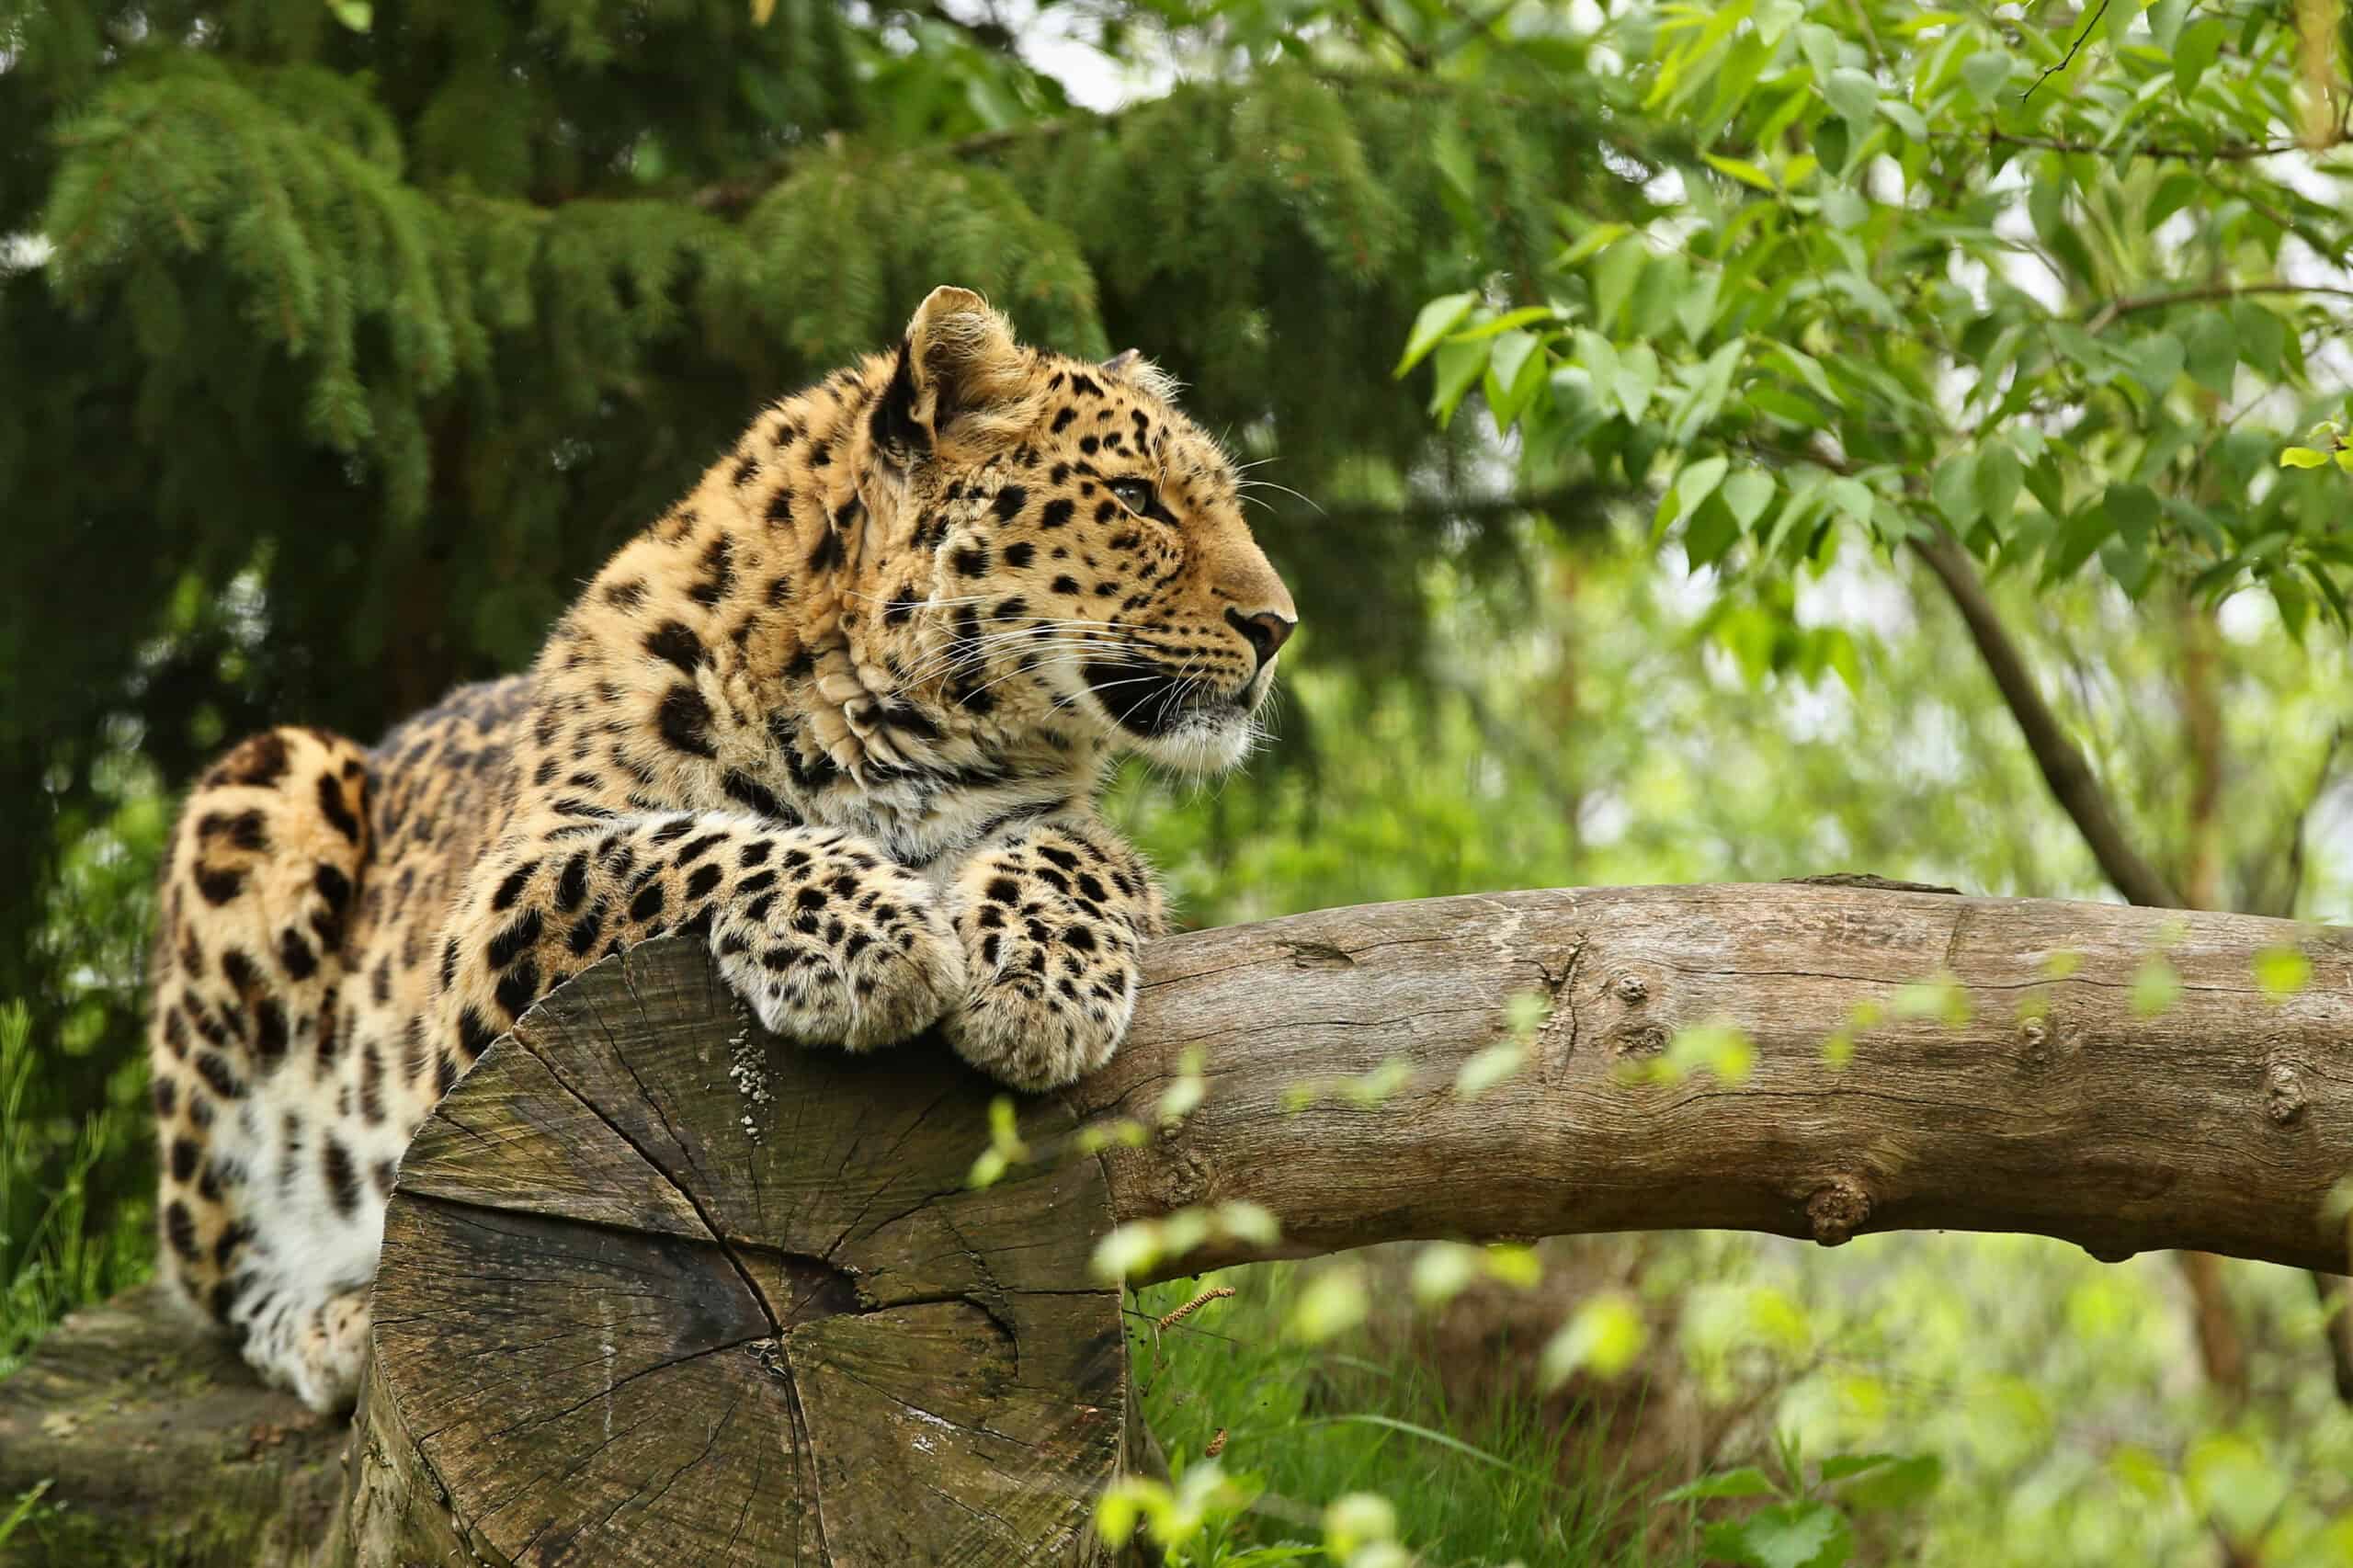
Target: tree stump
{"points": [[660, 1288]]}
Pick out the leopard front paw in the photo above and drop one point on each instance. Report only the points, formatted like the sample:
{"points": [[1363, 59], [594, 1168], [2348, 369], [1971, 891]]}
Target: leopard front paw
{"points": [[841, 953], [1050, 997]]}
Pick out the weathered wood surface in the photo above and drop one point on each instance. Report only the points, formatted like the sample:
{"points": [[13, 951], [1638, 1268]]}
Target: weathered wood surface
{"points": [[658, 1289], [2221, 1123], [160, 1447], [772, 1304]]}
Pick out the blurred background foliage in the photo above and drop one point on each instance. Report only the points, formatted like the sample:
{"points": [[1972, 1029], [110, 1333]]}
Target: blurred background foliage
{"points": [[1792, 401]]}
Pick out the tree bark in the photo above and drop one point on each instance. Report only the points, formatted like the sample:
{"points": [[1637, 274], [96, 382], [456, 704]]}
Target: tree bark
{"points": [[157, 1446], [2223, 1122], [808, 1336]]}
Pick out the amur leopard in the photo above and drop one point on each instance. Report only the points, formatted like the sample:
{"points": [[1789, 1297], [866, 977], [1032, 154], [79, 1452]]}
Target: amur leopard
{"points": [[844, 712]]}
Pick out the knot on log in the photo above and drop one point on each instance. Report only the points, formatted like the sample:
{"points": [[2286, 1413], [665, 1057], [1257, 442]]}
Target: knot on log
{"points": [[1838, 1210], [2287, 1092]]}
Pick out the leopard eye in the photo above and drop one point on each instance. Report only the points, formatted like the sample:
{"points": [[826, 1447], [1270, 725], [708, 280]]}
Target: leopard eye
{"points": [[1135, 494]]}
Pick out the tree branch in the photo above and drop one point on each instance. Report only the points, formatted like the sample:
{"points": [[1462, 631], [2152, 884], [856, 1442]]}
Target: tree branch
{"points": [[2062, 763], [2228, 153], [2072, 49], [2218, 1124], [2106, 315]]}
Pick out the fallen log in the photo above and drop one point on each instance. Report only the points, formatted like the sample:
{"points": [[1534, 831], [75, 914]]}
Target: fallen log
{"points": [[659, 1289], [2117, 1077]]}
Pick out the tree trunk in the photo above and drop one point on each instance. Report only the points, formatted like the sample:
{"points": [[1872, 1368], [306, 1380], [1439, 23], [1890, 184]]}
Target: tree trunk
{"points": [[657, 1289]]}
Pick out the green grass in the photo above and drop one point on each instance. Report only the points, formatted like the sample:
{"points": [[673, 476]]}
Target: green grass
{"points": [[59, 1260], [1502, 1482]]}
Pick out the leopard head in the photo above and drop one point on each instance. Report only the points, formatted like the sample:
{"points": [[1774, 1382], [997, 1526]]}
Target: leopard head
{"points": [[1054, 545]]}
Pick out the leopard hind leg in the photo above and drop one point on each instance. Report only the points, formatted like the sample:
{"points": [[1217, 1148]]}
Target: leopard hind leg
{"points": [[270, 1224]]}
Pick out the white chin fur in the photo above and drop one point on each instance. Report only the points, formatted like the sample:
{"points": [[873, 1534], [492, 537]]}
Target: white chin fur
{"points": [[1202, 743]]}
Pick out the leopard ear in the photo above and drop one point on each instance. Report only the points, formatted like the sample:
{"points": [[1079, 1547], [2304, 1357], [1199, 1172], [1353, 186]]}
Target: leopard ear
{"points": [[1130, 366], [960, 376]]}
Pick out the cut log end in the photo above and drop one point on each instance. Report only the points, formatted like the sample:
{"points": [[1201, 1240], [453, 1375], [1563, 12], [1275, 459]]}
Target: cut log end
{"points": [[658, 1289]]}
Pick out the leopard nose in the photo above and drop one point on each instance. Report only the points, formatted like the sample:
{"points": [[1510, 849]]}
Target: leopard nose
{"points": [[1266, 632]]}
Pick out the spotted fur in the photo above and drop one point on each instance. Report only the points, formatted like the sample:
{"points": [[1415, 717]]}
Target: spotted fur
{"points": [[843, 712]]}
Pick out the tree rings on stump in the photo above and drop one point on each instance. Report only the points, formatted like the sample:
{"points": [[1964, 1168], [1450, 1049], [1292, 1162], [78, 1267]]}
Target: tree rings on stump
{"points": [[658, 1287]]}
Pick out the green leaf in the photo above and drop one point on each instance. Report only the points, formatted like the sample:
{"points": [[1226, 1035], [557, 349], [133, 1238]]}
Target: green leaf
{"points": [[1637, 378], [1746, 1481], [1332, 1302], [1900, 1484], [1443, 1270], [1852, 497], [1508, 361], [1695, 313], [1821, 48], [2133, 508], [1505, 322], [1613, 280], [1487, 1068], [1747, 173], [1460, 365], [1594, 241], [1708, 535], [1786, 1535], [1775, 18], [1845, 209], [2194, 51], [2283, 972], [2156, 361], [2303, 457], [2173, 193], [2157, 986], [1855, 96], [1999, 480], [2263, 336], [2083, 534], [1605, 1333], [1747, 495], [1781, 404], [1437, 319], [360, 16], [1698, 480], [1832, 144], [2213, 352], [1599, 359], [1954, 487], [1985, 73], [2047, 485], [2232, 1480]]}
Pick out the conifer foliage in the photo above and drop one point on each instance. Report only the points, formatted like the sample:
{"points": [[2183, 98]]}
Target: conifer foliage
{"points": [[343, 341]]}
